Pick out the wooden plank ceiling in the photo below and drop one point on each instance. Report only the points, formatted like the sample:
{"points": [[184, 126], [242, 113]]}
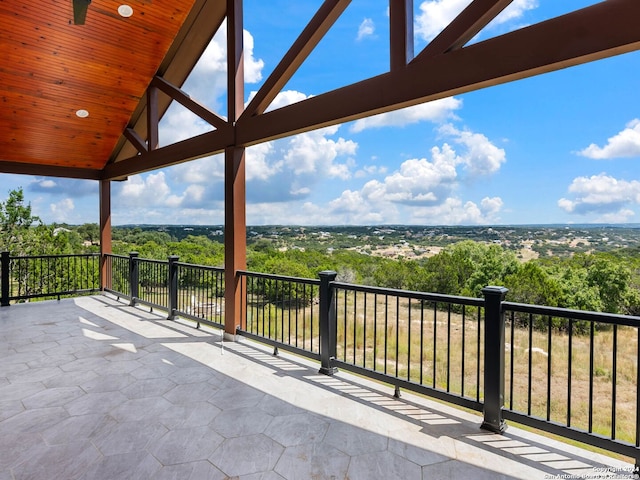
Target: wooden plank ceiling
{"points": [[52, 68]]}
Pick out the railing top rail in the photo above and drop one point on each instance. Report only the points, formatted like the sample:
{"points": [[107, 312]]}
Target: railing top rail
{"points": [[63, 255], [204, 267], [152, 260], [431, 297], [612, 318], [309, 281], [114, 255]]}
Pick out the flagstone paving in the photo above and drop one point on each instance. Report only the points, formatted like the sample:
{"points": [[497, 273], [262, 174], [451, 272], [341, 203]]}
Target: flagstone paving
{"points": [[91, 388]]}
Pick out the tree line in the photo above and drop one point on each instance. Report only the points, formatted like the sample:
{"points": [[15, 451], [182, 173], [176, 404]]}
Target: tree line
{"points": [[603, 282]]}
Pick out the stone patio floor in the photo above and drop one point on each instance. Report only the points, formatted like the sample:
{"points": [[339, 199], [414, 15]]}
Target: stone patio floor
{"points": [[91, 388]]}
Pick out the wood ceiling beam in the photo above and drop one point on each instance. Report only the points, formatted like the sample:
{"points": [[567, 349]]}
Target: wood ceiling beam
{"points": [[135, 140], [599, 31], [209, 143], [400, 33], [153, 119], [20, 168], [186, 101], [315, 30], [464, 27]]}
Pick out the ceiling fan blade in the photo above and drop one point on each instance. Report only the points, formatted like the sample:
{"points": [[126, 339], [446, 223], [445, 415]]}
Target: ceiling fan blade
{"points": [[80, 11]]}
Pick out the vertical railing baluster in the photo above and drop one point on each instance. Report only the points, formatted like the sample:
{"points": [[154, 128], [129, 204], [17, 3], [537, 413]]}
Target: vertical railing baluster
{"points": [[435, 342], [386, 332], [422, 361], [448, 347], [570, 371], [511, 358], [375, 331], [364, 333], [530, 362], [409, 340], [614, 381], [462, 350], [478, 346], [591, 369], [397, 331], [355, 324], [549, 355]]}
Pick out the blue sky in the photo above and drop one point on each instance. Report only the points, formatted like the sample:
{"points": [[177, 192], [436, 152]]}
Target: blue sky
{"points": [[557, 148]]}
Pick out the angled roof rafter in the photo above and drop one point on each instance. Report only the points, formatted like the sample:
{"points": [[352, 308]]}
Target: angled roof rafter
{"points": [[596, 32], [315, 30], [464, 27]]}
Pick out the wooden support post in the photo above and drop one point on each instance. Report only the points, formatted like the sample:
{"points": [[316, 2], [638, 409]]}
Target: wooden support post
{"points": [[235, 229], [105, 233]]}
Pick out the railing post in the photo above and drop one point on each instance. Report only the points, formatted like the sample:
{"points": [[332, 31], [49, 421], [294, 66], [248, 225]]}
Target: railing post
{"points": [[4, 265], [328, 323], [173, 286], [494, 352], [134, 277]]}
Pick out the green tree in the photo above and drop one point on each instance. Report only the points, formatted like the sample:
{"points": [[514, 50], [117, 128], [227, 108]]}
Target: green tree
{"points": [[16, 221]]}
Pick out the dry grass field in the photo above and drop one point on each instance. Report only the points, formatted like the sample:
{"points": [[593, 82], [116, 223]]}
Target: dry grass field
{"points": [[443, 347]]}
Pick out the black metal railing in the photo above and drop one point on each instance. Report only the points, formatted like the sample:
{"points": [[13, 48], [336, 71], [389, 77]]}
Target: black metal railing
{"points": [[425, 342], [571, 373], [281, 311], [575, 374], [48, 276], [195, 292], [199, 292], [567, 372], [117, 275]]}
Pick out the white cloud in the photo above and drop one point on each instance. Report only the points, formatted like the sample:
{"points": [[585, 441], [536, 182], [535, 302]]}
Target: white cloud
{"points": [[370, 170], [141, 190], [314, 153], [481, 157], [436, 111], [602, 195], [491, 205], [435, 15], [454, 211], [62, 211], [419, 181], [424, 190], [366, 29], [284, 98], [259, 164], [624, 144], [208, 170]]}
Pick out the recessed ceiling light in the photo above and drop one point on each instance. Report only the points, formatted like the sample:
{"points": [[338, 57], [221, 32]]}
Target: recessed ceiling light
{"points": [[82, 113], [125, 11]]}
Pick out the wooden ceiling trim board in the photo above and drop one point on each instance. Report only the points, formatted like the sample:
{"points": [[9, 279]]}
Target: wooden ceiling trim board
{"points": [[49, 171]]}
